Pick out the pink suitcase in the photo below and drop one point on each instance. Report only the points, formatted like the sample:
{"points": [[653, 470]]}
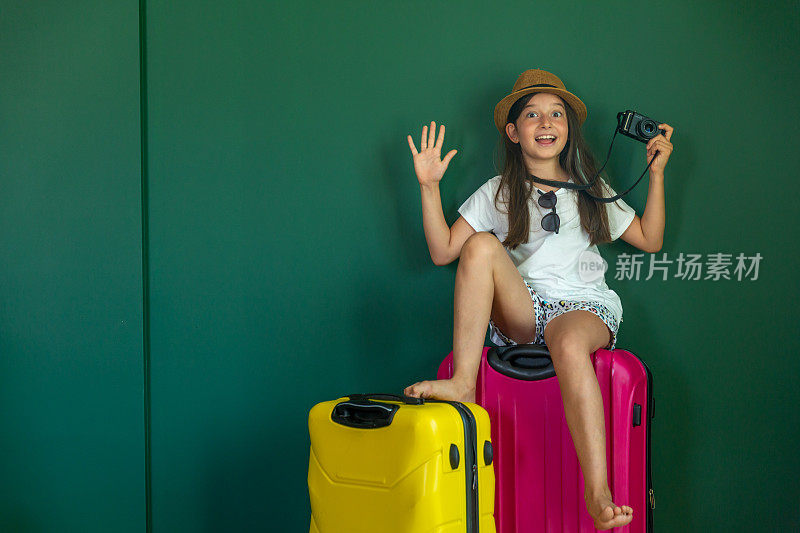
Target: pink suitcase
{"points": [[539, 482]]}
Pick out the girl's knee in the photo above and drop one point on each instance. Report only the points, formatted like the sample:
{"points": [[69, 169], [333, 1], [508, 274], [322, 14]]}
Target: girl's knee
{"points": [[480, 244], [567, 345], [576, 333]]}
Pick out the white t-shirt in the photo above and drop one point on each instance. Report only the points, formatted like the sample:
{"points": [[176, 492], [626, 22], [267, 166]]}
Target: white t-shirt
{"points": [[550, 262]]}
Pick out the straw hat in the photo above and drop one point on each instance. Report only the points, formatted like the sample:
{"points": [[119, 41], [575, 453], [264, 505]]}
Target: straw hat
{"points": [[536, 81]]}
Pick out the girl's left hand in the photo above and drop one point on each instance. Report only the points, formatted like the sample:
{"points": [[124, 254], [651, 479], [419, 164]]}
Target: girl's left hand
{"points": [[660, 144]]}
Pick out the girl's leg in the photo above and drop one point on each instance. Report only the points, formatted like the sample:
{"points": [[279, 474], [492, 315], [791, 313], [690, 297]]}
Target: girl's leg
{"points": [[571, 339], [487, 285]]}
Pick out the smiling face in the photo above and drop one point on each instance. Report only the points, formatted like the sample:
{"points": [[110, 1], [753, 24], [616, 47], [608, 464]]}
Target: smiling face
{"points": [[541, 129]]}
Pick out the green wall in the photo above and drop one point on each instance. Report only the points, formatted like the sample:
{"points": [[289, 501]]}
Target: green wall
{"points": [[284, 256], [71, 373]]}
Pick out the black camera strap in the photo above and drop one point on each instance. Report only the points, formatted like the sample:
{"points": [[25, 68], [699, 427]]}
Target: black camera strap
{"points": [[585, 188]]}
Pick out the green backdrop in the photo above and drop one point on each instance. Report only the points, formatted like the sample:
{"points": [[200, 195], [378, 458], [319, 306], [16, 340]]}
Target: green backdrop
{"points": [[186, 270]]}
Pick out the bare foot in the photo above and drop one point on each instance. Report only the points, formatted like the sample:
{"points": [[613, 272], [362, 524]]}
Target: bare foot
{"points": [[443, 389], [605, 513]]}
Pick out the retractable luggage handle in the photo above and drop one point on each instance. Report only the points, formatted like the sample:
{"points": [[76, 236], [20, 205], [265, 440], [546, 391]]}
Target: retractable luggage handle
{"points": [[527, 362]]}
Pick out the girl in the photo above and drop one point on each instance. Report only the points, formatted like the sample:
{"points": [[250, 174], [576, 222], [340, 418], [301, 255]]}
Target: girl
{"points": [[523, 250]]}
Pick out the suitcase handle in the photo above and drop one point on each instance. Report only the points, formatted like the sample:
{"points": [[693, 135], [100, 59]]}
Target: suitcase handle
{"points": [[410, 400], [527, 362]]}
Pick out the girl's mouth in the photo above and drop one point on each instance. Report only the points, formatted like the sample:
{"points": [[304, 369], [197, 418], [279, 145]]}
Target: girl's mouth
{"points": [[546, 140]]}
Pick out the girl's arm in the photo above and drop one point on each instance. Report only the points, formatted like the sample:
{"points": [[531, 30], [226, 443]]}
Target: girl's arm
{"points": [[647, 233], [444, 243]]}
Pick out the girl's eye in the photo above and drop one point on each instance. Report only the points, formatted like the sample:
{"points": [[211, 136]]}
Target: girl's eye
{"points": [[533, 113]]}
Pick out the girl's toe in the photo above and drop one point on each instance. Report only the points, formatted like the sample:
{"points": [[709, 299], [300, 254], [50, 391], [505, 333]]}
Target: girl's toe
{"points": [[606, 514]]}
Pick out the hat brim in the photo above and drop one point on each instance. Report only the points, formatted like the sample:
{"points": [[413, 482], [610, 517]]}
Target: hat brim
{"points": [[504, 105]]}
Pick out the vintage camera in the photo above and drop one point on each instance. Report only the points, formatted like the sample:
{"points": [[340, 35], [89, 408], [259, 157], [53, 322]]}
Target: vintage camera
{"points": [[638, 126]]}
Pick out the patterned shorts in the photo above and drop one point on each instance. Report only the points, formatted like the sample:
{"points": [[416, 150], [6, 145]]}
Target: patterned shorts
{"points": [[546, 311]]}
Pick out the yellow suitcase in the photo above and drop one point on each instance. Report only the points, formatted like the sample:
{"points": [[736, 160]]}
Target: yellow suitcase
{"points": [[393, 464]]}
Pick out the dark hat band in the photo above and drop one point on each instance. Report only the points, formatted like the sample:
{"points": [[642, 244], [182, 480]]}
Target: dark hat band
{"points": [[540, 85]]}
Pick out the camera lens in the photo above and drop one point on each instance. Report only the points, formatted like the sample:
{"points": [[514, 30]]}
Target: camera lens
{"points": [[648, 128]]}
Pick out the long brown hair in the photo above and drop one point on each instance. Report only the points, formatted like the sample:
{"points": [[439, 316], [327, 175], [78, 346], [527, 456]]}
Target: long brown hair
{"points": [[515, 180]]}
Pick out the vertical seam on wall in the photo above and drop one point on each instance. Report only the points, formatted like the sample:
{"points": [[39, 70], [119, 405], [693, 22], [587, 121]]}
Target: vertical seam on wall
{"points": [[145, 264]]}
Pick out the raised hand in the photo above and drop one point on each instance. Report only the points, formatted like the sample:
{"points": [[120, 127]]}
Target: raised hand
{"points": [[427, 163], [661, 145]]}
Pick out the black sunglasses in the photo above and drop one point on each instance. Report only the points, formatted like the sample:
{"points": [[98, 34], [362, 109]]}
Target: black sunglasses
{"points": [[550, 222]]}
